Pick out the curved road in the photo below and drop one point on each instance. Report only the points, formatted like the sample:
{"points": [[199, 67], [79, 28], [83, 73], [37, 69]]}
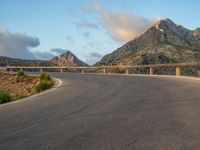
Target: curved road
{"points": [[91, 112]]}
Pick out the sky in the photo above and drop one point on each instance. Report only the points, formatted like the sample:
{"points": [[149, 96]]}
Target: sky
{"points": [[41, 29]]}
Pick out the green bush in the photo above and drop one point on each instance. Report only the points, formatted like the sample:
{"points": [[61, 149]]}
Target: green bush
{"points": [[45, 77], [20, 73], [43, 85], [4, 97], [21, 96]]}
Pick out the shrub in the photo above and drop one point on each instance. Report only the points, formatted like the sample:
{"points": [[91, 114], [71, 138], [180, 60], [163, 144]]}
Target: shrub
{"points": [[43, 85], [20, 73], [4, 97], [21, 96], [45, 77]]}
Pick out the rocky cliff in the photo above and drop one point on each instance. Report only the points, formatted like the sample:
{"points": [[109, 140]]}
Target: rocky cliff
{"points": [[67, 59], [163, 42]]}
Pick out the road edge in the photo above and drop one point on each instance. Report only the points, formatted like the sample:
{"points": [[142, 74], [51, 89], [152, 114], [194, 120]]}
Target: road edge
{"points": [[144, 75]]}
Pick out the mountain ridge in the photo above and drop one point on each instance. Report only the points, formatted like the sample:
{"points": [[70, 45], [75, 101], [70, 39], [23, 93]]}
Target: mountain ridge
{"points": [[164, 42], [65, 59], [164, 37], [8, 61]]}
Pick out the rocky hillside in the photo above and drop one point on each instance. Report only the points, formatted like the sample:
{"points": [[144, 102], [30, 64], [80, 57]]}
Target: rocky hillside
{"points": [[7, 61], [18, 86], [163, 42], [67, 59]]}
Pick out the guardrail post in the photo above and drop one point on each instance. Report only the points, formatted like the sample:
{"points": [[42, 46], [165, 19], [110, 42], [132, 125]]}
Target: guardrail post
{"points": [[61, 70], [150, 71], [104, 70], [178, 71], [82, 70], [127, 71]]}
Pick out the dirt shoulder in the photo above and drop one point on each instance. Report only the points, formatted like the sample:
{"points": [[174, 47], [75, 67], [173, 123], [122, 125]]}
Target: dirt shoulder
{"points": [[18, 86]]}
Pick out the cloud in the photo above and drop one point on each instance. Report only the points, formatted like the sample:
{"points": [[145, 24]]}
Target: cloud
{"points": [[70, 39], [86, 34], [43, 55], [49, 54], [86, 24], [58, 51], [92, 44], [17, 45], [122, 26], [46, 55], [93, 57]]}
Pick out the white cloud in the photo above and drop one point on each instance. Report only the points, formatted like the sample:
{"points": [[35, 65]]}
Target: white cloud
{"points": [[43, 55], [86, 24], [49, 54], [123, 26], [86, 34], [17, 45], [93, 57], [58, 51], [70, 39]]}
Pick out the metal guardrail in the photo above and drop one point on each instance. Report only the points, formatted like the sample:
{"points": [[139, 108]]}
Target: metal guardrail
{"points": [[151, 67], [3, 68]]}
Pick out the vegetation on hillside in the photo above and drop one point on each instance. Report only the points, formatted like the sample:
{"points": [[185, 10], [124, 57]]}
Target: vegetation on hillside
{"points": [[46, 82], [20, 73], [45, 77], [17, 86], [4, 97]]}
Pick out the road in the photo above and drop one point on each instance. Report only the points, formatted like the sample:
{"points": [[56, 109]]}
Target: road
{"points": [[93, 112]]}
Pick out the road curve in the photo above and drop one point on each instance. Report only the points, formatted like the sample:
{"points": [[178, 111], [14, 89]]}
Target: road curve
{"points": [[91, 112]]}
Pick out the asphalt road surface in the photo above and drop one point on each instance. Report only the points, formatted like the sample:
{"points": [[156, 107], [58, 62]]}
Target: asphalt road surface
{"points": [[91, 112]]}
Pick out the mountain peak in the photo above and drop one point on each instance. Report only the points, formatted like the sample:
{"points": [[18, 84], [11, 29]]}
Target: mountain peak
{"points": [[67, 59], [67, 53], [165, 21], [163, 42], [169, 27], [165, 24]]}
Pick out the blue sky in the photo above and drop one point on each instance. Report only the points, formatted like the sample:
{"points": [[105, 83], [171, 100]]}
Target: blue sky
{"points": [[89, 28]]}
